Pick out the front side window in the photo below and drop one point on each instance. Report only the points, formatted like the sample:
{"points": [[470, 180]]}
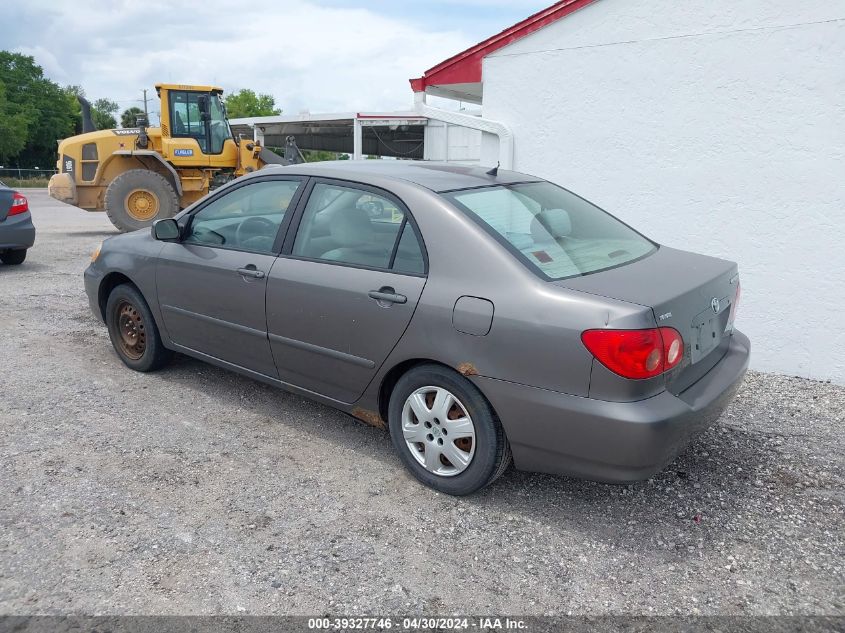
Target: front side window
{"points": [[353, 226], [554, 231], [248, 218], [219, 125]]}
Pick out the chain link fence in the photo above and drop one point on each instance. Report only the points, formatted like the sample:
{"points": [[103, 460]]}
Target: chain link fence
{"points": [[22, 177]]}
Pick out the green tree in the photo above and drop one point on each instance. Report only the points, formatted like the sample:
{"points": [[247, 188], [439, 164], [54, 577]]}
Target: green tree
{"points": [[245, 103], [13, 128], [128, 118], [34, 107], [102, 113], [71, 93]]}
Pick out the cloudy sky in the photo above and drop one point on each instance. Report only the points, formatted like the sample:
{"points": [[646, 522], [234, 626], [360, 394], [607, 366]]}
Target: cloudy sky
{"points": [[311, 55]]}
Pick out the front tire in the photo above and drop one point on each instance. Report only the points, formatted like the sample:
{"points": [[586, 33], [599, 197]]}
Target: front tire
{"points": [[137, 198], [445, 431], [13, 258], [133, 330]]}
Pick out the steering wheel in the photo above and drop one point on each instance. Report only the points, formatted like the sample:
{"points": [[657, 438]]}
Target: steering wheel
{"points": [[255, 227]]}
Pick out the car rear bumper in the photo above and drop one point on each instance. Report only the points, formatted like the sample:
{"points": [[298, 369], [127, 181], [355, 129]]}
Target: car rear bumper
{"points": [[17, 232], [614, 442]]}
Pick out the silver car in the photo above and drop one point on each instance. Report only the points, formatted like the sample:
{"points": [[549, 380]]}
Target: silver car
{"points": [[480, 316]]}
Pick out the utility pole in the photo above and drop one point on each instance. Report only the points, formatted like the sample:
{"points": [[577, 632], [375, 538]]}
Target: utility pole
{"points": [[146, 114]]}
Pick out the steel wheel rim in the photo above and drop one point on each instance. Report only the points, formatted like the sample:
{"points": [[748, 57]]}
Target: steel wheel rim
{"points": [[131, 333], [141, 204], [438, 431]]}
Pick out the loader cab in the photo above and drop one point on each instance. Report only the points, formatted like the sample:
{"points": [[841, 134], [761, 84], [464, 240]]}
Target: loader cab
{"points": [[194, 127]]}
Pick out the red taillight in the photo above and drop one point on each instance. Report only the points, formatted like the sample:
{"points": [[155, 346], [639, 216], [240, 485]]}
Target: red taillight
{"points": [[636, 353], [19, 204]]}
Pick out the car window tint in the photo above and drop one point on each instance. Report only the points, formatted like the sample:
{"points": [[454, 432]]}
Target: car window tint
{"points": [[349, 225], [409, 256], [557, 232], [247, 218]]}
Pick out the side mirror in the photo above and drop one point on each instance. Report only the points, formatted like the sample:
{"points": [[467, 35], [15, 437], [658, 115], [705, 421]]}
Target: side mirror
{"points": [[166, 230]]}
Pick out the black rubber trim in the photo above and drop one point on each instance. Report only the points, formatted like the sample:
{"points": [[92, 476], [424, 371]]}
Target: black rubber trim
{"points": [[209, 319], [325, 351]]}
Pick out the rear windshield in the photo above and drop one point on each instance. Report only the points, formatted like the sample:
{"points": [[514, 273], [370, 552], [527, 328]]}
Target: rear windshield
{"points": [[557, 233]]}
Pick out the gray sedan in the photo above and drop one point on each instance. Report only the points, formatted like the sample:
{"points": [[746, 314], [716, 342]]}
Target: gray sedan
{"points": [[17, 233], [481, 317]]}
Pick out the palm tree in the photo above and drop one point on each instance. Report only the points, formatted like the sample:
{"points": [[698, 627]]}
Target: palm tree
{"points": [[127, 119]]}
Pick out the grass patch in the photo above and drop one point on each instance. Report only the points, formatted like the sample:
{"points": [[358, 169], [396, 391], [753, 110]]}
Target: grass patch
{"points": [[20, 183]]}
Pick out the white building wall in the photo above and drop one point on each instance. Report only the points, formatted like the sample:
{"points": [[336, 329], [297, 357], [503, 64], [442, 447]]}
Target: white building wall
{"points": [[453, 143], [717, 127]]}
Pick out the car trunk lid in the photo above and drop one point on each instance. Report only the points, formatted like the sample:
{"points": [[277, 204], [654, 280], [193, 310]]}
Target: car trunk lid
{"points": [[686, 291], [6, 197]]}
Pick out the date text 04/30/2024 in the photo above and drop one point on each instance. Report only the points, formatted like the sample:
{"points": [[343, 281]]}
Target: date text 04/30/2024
{"points": [[414, 623]]}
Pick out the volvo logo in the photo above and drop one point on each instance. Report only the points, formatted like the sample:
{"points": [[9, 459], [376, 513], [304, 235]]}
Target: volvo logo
{"points": [[714, 303]]}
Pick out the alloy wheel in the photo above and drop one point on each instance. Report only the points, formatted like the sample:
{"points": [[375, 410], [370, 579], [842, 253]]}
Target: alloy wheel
{"points": [[438, 431]]}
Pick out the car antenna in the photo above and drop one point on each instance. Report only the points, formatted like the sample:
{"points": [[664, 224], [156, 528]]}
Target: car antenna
{"points": [[495, 171]]}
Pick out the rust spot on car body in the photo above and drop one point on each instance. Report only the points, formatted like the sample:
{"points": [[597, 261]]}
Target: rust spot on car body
{"points": [[467, 369], [369, 417]]}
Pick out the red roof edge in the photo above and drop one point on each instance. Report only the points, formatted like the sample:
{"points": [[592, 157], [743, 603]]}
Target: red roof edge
{"points": [[465, 67]]}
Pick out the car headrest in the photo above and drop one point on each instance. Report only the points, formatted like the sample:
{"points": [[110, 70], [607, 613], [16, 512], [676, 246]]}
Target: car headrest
{"points": [[551, 224], [351, 227]]}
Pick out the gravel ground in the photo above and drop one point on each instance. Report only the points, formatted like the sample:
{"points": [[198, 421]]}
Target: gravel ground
{"points": [[194, 490]]}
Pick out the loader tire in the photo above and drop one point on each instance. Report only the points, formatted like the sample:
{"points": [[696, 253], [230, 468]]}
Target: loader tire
{"points": [[137, 198]]}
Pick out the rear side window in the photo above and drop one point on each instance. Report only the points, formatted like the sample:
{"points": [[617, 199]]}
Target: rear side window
{"points": [[556, 232], [409, 257], [347, 225]]}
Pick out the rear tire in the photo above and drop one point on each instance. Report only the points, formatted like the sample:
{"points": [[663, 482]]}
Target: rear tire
{"points": [[426, 435], [13, 258], [139, 197], [133, 330]]}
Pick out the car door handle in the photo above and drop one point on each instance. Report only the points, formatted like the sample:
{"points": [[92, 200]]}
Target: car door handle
{"points": [[387, 295], [251, 271]]}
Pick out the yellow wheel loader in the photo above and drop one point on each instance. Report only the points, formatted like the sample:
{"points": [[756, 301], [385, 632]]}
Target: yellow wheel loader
{"points": [[139, 175]]}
